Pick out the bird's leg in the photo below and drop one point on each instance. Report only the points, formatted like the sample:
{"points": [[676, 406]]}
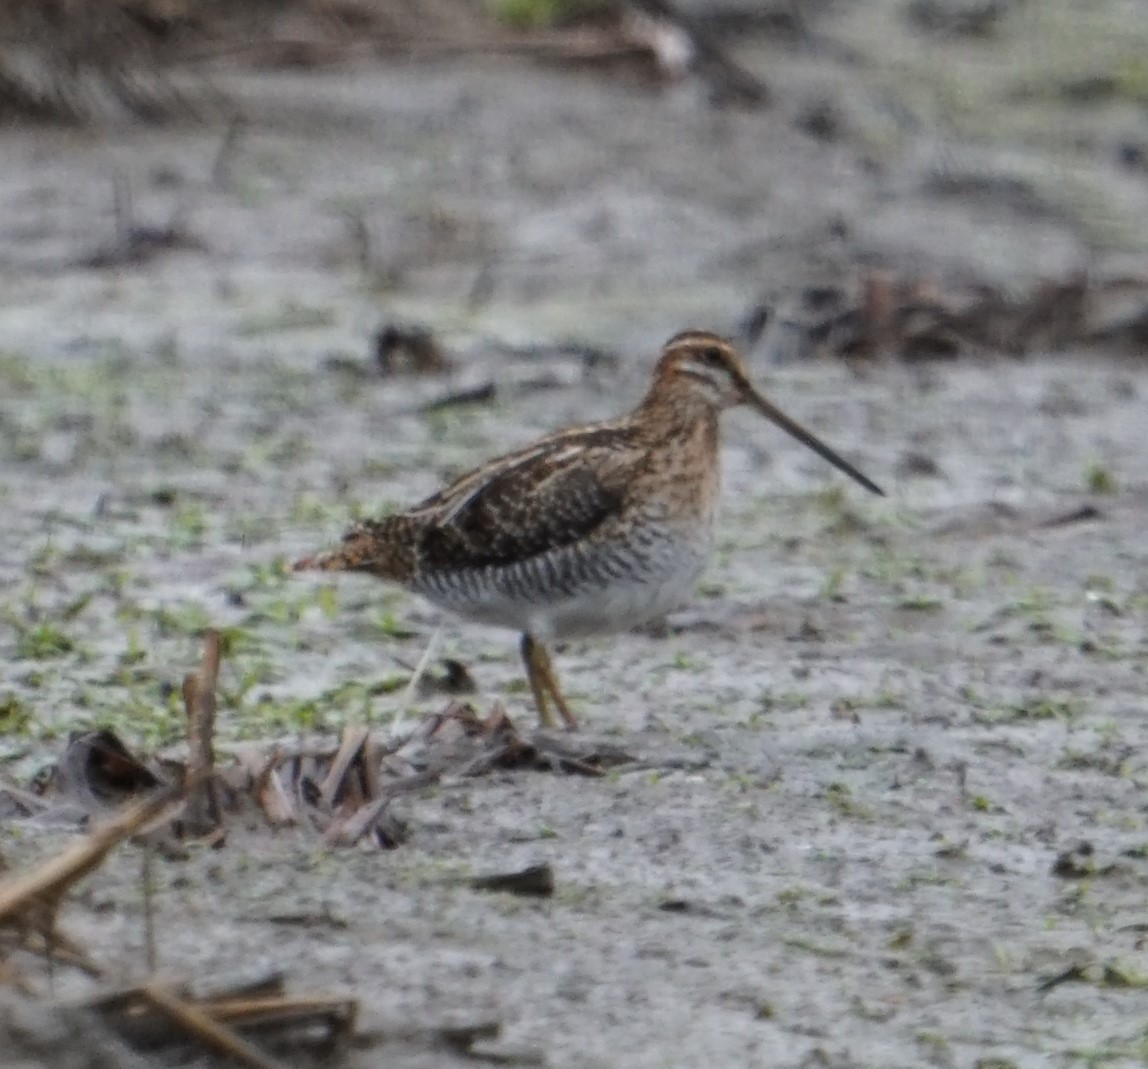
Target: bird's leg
{"points": [[529, 649], [544, 684], [551, 678]]}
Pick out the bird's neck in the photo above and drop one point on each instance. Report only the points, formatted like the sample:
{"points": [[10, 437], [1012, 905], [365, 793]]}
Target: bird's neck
{"points": [[677, 413], [681, 429]]}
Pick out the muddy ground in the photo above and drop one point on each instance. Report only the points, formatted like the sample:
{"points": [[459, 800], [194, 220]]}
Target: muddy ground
{"points": [[899, 713]]}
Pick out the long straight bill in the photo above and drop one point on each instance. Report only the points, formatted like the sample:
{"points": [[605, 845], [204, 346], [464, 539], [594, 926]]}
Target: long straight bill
{"points": [[775, 415]]}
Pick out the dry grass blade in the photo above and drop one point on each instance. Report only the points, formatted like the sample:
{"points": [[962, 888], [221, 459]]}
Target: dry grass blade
{"points": [[203, 815], [371, 767], [335, 1016], [43, 888], [122, 1000], [205, 1028], [366, 818], [257, 985], [144, 1015], [25, 802], [350, 747], [270, 793], [61, 950], [29, 903]]}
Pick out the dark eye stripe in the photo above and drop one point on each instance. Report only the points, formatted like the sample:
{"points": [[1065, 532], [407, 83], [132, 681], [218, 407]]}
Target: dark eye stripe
{"points": [[703, 372]]}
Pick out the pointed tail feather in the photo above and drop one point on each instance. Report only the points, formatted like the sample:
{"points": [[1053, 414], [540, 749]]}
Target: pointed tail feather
{"points": [[320, 562], [359, 552], [370, 547]]}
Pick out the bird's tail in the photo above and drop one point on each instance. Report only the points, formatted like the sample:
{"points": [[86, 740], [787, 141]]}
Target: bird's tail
{"points": [[366, 547], [333, 561]]}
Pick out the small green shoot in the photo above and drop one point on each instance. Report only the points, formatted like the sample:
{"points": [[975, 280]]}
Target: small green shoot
{"points": [[1100, 480]]}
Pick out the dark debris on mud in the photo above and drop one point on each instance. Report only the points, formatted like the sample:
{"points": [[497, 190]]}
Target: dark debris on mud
{"points": [[342, 790], [74, 60]]}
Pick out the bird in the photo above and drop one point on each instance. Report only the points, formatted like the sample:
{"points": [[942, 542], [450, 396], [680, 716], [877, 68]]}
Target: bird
{"points": [[591, 530]]}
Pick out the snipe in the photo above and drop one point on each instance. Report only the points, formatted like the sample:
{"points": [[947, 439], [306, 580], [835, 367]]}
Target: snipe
{"points": [[588, 531]]}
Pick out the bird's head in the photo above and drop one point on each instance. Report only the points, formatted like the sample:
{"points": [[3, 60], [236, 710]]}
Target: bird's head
{"points": [[708, 368], [705, 366]]}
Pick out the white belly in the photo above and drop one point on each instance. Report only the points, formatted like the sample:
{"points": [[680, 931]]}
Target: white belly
{"points": [[570, 593], [618, 607]]}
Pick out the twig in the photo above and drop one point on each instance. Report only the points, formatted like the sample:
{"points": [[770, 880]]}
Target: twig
{"points": [[29, 903], [275, 1011], [210, 1032], [26, 800], [204, 814], [144, 1016], [371, 766], [147, 877], [364, 819], [59, 947], [43, 887], [354, 738], [412, 686], [273, 799], [260, 985]]}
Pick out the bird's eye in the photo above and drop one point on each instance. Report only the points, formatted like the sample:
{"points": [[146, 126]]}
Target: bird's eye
{"points": [[713, 356]]}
